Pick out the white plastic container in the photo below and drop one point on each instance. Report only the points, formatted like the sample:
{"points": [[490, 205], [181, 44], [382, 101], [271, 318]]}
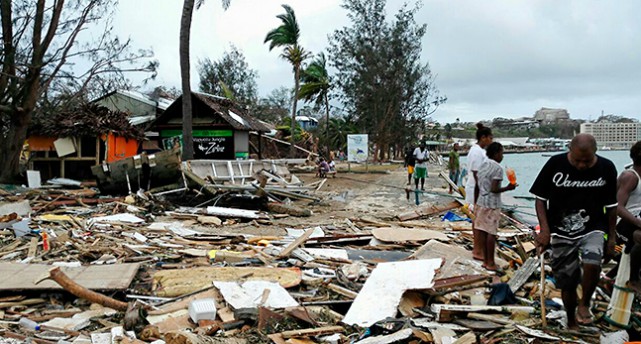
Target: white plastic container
{"points": [[619, 310], [29, 324], [203, 309]]}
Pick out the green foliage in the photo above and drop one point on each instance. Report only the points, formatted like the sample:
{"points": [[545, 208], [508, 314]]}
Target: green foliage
{"points": [[315, 82], [339, 128], [616, 119], [230, 77], [275, 107], [381, 78], [287, 34]]}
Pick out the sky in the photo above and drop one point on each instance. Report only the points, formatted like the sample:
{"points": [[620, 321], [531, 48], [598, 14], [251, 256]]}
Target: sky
{"points": [[491, 58]]}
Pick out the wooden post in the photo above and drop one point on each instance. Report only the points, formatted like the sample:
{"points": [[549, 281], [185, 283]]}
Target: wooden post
{"points": [[260, 145], [544, 320]]}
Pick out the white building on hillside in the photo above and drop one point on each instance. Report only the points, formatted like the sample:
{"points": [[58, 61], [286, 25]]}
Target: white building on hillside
{"points": [[613, 135]]}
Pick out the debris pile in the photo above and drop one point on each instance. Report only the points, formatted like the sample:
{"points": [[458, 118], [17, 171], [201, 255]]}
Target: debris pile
{"points": [[263, 256]]}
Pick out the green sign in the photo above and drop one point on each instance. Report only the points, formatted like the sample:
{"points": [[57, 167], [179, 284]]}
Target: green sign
{"points": [[198, 133]]}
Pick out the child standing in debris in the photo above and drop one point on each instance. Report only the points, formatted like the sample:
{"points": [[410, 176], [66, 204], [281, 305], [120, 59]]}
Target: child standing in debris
{"points": [[488, 212], [323, 168]]}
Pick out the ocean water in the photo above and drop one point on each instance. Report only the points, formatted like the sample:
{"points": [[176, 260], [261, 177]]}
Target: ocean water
{"points": [[527, 167]]}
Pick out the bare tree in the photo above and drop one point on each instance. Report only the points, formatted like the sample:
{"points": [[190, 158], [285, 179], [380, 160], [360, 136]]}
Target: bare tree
{"points": [[40, 51]]}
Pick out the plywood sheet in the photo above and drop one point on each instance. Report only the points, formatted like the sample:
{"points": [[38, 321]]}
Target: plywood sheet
{"points": [[401, 235], [458, 260], [94, 277], [170, 283]]}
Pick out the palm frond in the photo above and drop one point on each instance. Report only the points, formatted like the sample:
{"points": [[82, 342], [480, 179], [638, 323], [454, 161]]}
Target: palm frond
{"points": [[295, 54], [287, 33]]}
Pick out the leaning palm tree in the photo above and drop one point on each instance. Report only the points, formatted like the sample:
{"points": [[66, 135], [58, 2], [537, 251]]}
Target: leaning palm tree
{"points": [[286, 36], [315, 88], [183, 53]]}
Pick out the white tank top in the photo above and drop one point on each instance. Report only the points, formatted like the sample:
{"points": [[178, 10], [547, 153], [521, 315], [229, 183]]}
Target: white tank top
{"points": [[634, 201]]}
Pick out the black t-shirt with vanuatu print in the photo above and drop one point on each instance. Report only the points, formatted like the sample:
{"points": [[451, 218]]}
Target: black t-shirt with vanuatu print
{"points": [[576, 200]]}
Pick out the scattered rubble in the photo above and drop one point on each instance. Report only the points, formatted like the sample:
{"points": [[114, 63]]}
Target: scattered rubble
{"points": [[250, 253]]}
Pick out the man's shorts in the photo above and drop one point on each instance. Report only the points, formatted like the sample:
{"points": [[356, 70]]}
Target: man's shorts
{"points": [[487, 219], [410, 169], [568, 254], [454, 176], [420, 172]]}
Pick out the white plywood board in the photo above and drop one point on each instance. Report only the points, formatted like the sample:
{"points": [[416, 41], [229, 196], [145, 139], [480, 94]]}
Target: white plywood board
{"points": [[64, 146], [386, 285], [34, 180], [401, 235], [251, 294]]}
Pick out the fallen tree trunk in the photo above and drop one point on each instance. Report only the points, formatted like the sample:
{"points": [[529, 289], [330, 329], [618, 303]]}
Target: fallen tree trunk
{"points": [[76, 289]]}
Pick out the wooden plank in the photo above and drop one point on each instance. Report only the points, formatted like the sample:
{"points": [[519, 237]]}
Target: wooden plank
{"points": [[451, 282], [169, 283], [402, 235], [444, 312], [523, 274], [429, 210], [309, 332], [33, 248], [296, 243], [342, 291], [95, 277]]}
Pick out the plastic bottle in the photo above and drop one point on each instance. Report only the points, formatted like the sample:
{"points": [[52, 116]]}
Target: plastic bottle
{"points": [[511, 175], [30, 324]]}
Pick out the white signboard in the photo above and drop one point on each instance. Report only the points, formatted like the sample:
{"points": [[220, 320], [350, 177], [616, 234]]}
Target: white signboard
{"points": [[357, 147]]}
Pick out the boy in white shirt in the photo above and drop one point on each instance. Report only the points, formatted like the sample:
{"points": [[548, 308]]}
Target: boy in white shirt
{"points": [[422, 155]]}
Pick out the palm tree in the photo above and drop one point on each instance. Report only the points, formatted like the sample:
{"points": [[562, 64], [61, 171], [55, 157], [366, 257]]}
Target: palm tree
{"points": [[286, 36], [183, 52], [315, 88]]}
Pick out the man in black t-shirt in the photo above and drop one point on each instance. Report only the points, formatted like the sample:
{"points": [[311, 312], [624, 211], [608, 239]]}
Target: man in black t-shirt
{"points": [[576, 205]]}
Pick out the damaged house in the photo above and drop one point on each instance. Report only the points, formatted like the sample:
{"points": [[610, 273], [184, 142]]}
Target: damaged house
{"points": [[220, 128], [66, 144]]}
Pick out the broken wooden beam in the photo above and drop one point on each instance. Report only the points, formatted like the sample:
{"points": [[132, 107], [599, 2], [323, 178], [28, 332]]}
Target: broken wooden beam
{"points": [[76, 289], [311, 332], [445, 312], [429, 210], [296, 243], [451, 282], [523, 274]]}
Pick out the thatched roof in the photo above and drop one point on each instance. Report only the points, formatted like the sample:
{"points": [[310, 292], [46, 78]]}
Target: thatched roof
{"points": [[210, 109], [88, 120]]}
